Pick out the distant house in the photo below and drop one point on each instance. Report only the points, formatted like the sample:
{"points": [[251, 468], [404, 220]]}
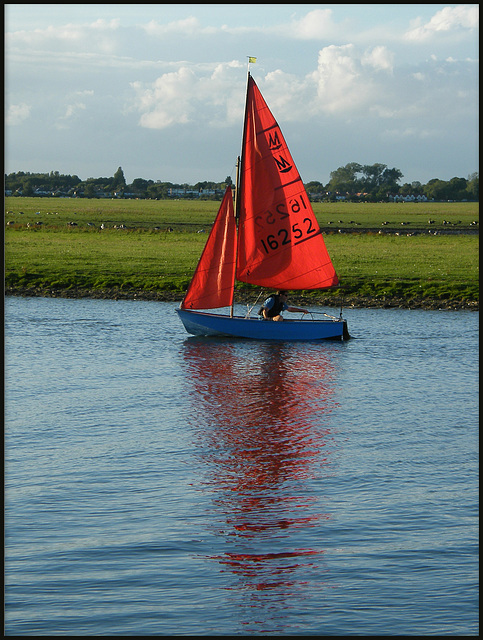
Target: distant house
{"points": [[408, 198], [183, 193]]}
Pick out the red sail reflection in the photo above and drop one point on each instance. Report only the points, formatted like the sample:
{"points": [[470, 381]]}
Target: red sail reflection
{"points": [[261, 414]]}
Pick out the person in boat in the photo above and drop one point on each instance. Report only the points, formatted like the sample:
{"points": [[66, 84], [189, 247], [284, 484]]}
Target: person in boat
{"points": [[274, 305]]}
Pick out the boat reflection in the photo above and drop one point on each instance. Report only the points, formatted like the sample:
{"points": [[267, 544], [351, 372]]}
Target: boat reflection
{"points": [[261, 417]]}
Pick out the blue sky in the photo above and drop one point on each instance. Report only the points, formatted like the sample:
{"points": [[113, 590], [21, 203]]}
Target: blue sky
{"points": [[159, 89]]}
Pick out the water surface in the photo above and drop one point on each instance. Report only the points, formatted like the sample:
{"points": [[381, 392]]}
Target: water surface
{"points": [[161, 484]]}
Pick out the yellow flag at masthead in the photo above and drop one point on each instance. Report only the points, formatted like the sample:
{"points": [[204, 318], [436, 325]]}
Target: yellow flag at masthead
{"points": [[251, 59]]}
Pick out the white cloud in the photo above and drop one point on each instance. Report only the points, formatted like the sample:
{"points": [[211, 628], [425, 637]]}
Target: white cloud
{"points": [[458, 17], [17, 113], [185, 27], [189, 94], [162, 102], [343, 83], [316, 24], [379, 58], [70, 114], [73, 109], [97, 36], [289, 96]]}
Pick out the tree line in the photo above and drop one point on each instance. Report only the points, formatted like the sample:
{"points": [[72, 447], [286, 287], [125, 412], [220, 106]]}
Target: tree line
{"points": [[354, 182], [377, 182]]}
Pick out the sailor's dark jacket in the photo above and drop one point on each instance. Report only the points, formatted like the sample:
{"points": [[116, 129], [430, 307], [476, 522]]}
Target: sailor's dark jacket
{"points": [[276, 309]]}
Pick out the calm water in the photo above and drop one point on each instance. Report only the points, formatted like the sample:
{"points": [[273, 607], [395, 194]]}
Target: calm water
{"points": [[158, 484]]}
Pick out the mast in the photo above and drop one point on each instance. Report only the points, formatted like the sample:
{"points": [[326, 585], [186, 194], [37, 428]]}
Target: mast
{"points": [[240, 158], [251, 60], [237, 184], [238, 177]]}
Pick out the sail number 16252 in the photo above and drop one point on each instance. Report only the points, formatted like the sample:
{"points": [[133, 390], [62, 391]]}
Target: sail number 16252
{"points": [[284, 237], [298, 230]]}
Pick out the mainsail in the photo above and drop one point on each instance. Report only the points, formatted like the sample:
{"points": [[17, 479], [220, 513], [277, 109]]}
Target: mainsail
{"points": [[213, 281], [280, 244]]}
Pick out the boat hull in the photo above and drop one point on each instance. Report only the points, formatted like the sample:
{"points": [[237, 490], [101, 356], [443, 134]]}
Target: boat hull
{"points": [[211, 324]]}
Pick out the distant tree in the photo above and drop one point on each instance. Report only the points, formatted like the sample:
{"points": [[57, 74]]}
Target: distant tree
{"points": [[457, 189], [438, 189], [202, 186], [118, 180], [405, 189], [139, 186], [472, 186], [454, 189], [344, 179], [374, 180], [314, 186], [90, 190], [390, 179], [416, 188], [372, 176], [27, 189], [158, 190], [435, 189]]}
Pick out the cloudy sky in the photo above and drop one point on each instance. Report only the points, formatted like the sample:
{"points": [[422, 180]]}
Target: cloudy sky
{"points": [[158, 89]]}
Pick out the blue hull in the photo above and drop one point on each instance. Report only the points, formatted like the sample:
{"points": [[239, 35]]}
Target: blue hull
{"points": [[211, 324]]}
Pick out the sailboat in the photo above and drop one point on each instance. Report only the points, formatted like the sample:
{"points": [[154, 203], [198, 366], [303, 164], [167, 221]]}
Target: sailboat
{"points": [[264, 234]]}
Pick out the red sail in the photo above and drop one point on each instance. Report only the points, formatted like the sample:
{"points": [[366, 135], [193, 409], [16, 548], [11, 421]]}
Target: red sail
{"points": [[280, 244], [213, 281]]}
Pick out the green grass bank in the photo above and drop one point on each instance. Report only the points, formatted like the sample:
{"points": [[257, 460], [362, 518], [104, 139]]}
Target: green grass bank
{"points": [[421, 255]]}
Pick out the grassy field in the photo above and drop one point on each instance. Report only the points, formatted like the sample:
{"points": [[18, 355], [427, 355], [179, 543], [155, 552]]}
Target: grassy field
{"points": [[69, 251], [186, 215]]}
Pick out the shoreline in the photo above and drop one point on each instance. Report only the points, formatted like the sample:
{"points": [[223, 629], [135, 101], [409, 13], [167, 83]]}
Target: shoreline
{"points": [[350, 301]]}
